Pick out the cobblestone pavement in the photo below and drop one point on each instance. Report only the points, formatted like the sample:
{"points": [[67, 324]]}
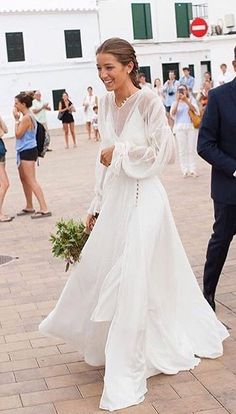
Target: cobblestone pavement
{"points": [[45, 376]]}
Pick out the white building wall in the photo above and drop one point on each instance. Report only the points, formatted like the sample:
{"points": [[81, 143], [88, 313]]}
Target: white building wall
{"points": [[219, 9], [46, 66]]}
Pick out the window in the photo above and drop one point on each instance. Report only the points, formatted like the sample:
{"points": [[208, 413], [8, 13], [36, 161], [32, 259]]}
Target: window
{"points": [[147, 72], [191, 70], [15, 47], [56, 96], [73, 44], [142, 20], [183, 15], [167, 67]]}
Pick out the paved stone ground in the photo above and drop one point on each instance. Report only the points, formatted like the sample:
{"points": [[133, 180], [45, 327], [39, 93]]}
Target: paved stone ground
{"points": [[44, 376]]}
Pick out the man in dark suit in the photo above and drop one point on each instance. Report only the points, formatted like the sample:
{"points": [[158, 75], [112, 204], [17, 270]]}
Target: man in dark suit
{"points": [[217, 145]]}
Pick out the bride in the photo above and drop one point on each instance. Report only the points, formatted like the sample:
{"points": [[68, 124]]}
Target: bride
{"points": [[133, 303]]}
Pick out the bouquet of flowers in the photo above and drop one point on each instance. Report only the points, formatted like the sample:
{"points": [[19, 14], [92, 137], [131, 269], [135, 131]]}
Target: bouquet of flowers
{"points": [[69, 241]]}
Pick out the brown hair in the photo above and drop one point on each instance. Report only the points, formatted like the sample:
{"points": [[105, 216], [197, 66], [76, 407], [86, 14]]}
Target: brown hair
{"points": [[123, 52], [25, 98]]}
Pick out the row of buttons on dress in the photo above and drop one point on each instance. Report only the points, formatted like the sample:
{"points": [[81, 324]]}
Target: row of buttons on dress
{"points": [[137, 193]]}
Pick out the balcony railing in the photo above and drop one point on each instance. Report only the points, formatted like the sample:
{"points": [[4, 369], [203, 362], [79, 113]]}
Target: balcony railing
{"points": [[200, 10]]}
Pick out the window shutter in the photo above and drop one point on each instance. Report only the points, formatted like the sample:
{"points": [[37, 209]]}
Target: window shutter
{"points": [[15, 47], [73, 44], [142, 20], [148, 20], [183, 15]]}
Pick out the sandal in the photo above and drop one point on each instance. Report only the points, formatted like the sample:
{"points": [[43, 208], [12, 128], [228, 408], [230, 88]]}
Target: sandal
{"points": [[41, 214], [7, 219], [25, 212]]}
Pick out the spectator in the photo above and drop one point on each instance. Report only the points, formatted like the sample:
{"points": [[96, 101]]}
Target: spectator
{"points": [[142, 81], [39, 109], [207, 77], [187, 79], [225, 76], [4, 182], [27, 154], [158, 88], [169, 91], [95, 123], [90, 101], [186, 134], [66, 107], [202, 96]]}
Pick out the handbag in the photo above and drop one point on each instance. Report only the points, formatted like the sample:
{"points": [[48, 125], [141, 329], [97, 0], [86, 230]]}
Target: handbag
{"points": [[60, 115], [2, 148], [195, 118]]}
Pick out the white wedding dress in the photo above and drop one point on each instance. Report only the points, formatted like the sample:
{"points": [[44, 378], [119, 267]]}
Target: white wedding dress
{"points": [[133, 303]]}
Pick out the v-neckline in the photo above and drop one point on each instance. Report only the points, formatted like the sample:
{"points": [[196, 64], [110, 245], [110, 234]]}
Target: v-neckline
{"points": [[112, 123]]}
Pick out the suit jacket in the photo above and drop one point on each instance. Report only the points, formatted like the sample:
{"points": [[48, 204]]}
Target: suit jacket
{"points": [[217, 141]]}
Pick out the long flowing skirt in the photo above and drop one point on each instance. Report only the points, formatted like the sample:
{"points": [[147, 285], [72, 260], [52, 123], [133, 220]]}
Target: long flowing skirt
{"points": [[133, 303]]}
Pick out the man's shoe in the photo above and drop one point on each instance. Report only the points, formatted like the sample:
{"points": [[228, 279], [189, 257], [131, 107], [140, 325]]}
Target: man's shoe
{"points": [[211, 300], [49, 149]]}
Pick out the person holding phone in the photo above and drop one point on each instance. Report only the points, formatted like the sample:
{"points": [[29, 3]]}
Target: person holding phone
{"points": [[186, 134]]}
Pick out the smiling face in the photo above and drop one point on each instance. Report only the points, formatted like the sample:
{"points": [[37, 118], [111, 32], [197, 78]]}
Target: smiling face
{"points": [[113, 74]]}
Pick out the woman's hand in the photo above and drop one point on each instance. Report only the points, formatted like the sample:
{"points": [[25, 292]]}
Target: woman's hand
{"points": [[90, 221], [106, 156], [16, 114]]}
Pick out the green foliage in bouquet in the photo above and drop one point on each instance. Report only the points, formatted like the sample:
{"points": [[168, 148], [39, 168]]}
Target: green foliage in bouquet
{"points": [[69, 240]]}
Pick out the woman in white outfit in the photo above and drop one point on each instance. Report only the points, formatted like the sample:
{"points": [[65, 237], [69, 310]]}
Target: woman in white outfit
{"points": [[90, 101], [186, 134], [4, 182], [133, 303]]}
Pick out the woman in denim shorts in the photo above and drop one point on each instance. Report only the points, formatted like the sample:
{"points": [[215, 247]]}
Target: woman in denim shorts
{"points": [[4, 182]]}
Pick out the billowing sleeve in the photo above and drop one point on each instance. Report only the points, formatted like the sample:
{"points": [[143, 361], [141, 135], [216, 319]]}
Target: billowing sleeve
{"points": [[100, 172], [142, 161]]}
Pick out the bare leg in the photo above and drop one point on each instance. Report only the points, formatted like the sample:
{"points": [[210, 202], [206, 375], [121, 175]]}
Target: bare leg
{"points": [[72, 131], [66, 132], [28, 168], [88, 127], [26, 188], [96, 133], [4, 184]]}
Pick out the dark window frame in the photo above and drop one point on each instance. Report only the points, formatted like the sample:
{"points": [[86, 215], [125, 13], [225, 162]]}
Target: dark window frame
{"points": [[56, 97], [147, 72], [15, 46], [168, 67], [73, 43]]}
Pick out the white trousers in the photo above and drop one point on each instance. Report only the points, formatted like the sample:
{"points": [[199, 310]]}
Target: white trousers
{"points": [[187, 144]]}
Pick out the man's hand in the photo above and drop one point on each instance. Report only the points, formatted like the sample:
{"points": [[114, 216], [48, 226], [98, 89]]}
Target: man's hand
{"points": [[106, 156]]}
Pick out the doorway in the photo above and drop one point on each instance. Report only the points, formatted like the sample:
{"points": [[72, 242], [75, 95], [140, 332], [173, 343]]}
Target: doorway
{"points": [[167, 67]]}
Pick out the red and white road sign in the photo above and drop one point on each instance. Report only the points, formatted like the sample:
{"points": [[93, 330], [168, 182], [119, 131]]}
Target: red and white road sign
{"points": [[199, 27]]}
